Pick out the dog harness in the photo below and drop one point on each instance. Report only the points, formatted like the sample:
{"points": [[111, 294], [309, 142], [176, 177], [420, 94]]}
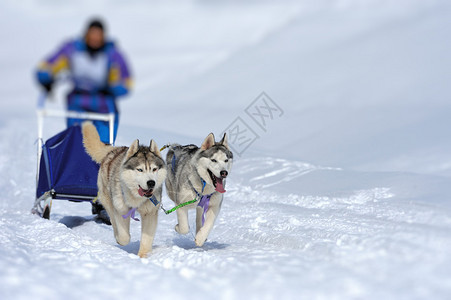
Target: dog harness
{"points": [[131, 214], [132, 211], [204, 200]]}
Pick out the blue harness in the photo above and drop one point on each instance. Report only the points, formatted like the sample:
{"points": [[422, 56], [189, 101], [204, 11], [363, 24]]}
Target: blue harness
{"points": [[204, 200]]}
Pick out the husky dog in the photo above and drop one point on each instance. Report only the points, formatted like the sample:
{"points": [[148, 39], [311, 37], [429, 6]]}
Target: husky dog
{"points": [[130, 179], [198, 173]]}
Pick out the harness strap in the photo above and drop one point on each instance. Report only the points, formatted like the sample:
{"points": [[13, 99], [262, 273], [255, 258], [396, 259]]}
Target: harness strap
{"points": [[132, 211], [204, 200], [131, 214], [164, 147], [173, 162], [199, 195], [154, 200]]}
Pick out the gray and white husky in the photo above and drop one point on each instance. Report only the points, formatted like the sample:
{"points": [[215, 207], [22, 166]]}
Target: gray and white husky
{"points": [[198, 173], [130, 179]]}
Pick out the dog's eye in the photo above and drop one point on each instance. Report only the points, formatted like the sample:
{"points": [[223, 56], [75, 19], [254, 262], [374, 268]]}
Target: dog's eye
{"points": [[226, 160], [214, 160], [139, 170], [154, 169]]}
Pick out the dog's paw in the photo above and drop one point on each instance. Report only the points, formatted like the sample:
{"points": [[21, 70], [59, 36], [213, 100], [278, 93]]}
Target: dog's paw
{"points": [[142, 254], [198, 243], [199, 240], [180, 230], [123, 239]]}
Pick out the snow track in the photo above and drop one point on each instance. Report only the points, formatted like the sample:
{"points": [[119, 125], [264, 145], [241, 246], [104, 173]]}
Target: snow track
{"points": [[266, 244]]}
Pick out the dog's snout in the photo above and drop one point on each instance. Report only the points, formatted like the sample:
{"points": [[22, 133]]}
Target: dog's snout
{"points": [[224, 173], [150, 184]]}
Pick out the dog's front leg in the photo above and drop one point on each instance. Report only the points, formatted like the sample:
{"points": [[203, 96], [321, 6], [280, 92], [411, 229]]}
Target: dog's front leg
{"points": [[199, 213], [122, 230], [148, 229], [204, 231], [182, 217]]}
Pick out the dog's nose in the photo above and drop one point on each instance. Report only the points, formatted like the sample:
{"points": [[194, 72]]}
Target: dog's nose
{"points": [[224, 173], [150, 184]]}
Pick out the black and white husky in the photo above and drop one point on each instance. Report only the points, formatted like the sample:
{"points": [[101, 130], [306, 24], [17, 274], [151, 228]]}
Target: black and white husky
{"points": [[198, 173], [130, 179]]}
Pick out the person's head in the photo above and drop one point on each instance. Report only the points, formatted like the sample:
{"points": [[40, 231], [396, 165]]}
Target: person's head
{"points": [[95, 34]]}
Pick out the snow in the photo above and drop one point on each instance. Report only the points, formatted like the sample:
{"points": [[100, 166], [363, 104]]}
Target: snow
{"points": [[344, 196]]}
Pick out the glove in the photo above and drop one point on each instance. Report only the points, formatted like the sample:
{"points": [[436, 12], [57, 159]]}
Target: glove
{"points": [[106, 91], [47, 86]]}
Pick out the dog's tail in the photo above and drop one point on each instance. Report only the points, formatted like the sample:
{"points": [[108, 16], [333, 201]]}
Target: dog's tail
{"points": [[93, 145]]}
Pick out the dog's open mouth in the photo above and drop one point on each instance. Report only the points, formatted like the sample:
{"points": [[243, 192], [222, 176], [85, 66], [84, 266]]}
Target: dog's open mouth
{"points": [[218, 182], [145, 193]]}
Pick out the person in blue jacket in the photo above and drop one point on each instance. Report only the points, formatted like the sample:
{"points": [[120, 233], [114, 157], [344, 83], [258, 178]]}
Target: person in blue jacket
{"points": [[98, 72], [99, 75]]}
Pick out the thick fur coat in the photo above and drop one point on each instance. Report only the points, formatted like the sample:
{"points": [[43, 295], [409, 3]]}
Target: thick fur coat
{"points": [[128, 178], [194, 172]]}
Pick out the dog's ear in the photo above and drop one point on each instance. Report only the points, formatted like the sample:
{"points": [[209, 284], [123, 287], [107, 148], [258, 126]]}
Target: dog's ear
{"points": [[154, 148], [224, 141], [132, 149], [208, 142]]}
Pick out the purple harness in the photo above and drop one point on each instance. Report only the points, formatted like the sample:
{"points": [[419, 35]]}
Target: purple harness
{"points": [[131, 214], [132, 211], [204, 201]]}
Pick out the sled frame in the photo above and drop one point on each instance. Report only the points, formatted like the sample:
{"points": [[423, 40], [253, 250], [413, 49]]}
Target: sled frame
{"points": [[43, 204]]}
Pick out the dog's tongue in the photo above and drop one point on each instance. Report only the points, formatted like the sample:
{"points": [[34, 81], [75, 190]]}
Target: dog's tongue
{"points": [[144, 193], [220, 185]]}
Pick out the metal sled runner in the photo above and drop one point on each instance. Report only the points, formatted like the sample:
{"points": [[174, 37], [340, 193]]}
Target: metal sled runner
{"points": [[64, 170]]}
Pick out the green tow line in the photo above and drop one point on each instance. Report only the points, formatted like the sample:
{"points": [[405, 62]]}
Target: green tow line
{"points": [[178, 206]]}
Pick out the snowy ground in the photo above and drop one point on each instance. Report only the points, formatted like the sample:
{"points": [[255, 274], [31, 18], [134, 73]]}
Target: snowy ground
{"points": [[345, 196]]}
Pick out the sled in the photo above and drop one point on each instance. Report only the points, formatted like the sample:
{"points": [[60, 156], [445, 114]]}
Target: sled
{"points": [[64, 170]]}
